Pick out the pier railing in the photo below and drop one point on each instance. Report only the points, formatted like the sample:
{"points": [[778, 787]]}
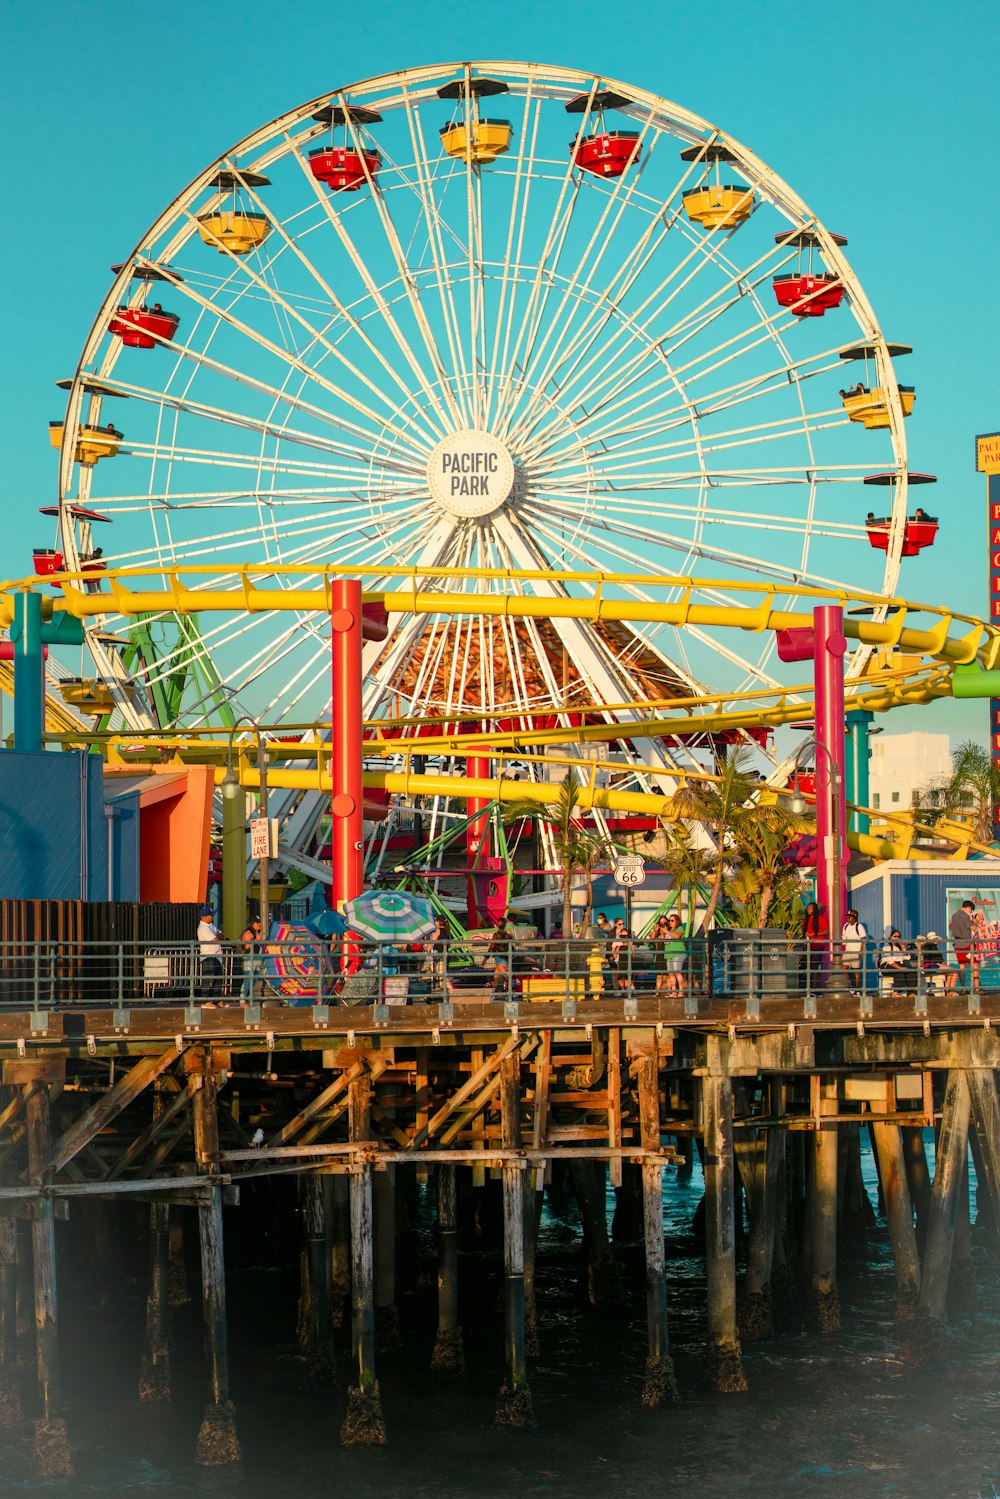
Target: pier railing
{"points": [[760, 972]]}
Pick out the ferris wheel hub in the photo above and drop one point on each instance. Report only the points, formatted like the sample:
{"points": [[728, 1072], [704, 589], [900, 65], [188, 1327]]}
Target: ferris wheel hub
{"points": [[471, 474]]}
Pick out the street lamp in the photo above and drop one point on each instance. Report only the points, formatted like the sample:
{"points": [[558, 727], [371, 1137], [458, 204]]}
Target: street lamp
{"points": [[229, 780], [831, 853]]}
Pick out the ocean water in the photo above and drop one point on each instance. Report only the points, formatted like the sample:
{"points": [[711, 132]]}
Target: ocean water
{"points": [[839, 1416]]}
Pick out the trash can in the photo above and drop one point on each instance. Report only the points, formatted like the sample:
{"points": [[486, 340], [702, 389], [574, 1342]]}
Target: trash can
{"points": [[746, 962]]}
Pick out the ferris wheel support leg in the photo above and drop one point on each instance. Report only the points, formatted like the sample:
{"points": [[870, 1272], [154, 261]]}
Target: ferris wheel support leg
{"points": [[28, 691], [347, 806], [830, 646], [859, 722]]}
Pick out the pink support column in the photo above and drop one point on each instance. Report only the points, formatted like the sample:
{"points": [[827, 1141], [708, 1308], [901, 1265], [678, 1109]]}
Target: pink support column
{"points": [[347, 805], [477, 768], [830, 646]]}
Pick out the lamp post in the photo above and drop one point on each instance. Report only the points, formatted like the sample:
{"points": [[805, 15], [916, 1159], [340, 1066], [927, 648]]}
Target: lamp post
{"points": [[231, 900], [831, 854]]}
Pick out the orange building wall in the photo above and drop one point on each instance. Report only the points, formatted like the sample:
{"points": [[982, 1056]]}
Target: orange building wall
{"points": [[175, 827]]}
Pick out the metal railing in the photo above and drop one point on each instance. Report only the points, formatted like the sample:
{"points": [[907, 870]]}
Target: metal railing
{"points": [[755, 970]]}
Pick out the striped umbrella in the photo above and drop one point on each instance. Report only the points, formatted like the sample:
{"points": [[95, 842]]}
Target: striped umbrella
{"points": [[390, 916], [292, 961]]}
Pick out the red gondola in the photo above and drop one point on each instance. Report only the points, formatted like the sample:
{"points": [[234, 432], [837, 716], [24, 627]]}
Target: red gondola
{"points": [[606, 155], [919, 531], [817, 291], [342, 169], [815, 294], [142, 327], [46, 561]]}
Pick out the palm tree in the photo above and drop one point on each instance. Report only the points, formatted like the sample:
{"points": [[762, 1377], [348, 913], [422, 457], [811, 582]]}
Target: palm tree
{"points": [[763, 879], [972, 791], [688, 866], [718, 806], [577, 850]]}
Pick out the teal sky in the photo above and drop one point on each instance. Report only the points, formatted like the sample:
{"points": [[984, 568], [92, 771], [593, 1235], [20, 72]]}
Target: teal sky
{"points": [[883, 117]]}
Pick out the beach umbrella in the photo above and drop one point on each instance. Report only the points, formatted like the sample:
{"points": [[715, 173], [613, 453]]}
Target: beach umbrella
{"points": [[390, 916], [325, 923], [292, 961]]}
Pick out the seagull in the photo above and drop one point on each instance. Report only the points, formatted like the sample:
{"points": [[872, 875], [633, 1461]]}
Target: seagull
{"points": [[257, 1139]]}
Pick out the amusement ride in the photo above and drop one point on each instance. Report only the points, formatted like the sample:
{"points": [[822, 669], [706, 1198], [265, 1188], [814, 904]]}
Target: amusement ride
{"points": [[588, 398]]}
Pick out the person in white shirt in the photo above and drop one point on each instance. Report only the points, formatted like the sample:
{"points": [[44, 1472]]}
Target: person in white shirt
{"points": [[210, 944], [853, 936]]}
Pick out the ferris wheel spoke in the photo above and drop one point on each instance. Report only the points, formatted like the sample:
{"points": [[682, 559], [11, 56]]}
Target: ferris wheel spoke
{"points": [[429, 387], [341, 308], [616, 205], [293, 361], [516, 227]]}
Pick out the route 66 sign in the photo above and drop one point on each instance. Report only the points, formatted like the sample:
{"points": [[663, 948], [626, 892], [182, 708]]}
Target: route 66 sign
{"points": [[630, 871]]}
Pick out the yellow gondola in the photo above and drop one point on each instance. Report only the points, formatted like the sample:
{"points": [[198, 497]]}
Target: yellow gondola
{"points": [[718, 206], [88, 694], [490, 139], [93, 443], [870, 408], [235, 230]]}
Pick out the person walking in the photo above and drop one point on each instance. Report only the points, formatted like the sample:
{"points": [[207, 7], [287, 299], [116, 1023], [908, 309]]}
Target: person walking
{"points": [[210, 952], [960, 931], [853, 937]]}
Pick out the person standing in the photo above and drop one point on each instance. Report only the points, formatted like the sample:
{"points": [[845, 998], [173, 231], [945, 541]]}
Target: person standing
{"points": [[853, 937], [815, 930], [674, 954], [960, 931], [210, 952], [250, 938]]}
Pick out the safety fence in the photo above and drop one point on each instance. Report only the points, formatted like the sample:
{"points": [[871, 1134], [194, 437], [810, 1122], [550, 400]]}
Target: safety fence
{"points": [[756, 970]]}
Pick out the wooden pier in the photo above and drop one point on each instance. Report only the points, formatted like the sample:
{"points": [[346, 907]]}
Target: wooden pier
{"points": [[182, 1111]]}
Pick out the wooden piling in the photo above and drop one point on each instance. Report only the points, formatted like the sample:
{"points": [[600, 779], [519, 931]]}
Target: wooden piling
{"points": [[929, 1328], [315, 1339], [724, 1355], [823, 1216], [962, 1275], [10, 1394], [514, 1404], [589, 1180], [217, 1442], [154, 1372], [363, 1422], [919, 1177], [52, 1451], [340, 1250], [449, 1351], [986, 1119], [888, 1142], [387, 1330], [178, 1293], [763, 1169], [660, 1383]]}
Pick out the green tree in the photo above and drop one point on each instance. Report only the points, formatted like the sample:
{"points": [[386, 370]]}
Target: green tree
{"points": [[718, 806], [763, 885], [689, 868], [970, 794], [577, 850]]}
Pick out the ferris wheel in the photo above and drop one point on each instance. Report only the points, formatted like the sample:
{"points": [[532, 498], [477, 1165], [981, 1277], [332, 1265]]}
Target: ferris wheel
{"points": [[477, 317]]}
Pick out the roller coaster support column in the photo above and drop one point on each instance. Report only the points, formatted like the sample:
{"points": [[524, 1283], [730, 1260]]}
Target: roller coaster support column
{"points": [[476, 768], [347, 807], [829, 647], [29, 694], [859, 722]]}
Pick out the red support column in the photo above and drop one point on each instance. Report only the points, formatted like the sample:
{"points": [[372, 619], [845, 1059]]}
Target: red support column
{"points": [[830, 646], [477, 768], [347, 806]]}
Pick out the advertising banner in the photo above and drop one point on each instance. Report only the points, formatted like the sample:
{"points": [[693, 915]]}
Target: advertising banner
{"points": [[985, 928]]}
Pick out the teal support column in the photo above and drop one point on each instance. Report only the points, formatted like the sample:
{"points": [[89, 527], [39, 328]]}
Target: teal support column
{"points": [[29, 696], [234, 858], [858, 721]]}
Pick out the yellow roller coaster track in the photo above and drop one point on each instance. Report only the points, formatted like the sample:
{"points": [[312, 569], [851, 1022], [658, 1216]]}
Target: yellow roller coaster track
{"points": [[978, 640]]}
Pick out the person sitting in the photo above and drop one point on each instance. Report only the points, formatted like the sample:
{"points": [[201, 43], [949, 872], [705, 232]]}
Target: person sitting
{"points": [[932, 960], [895, 961], [870, 518]]}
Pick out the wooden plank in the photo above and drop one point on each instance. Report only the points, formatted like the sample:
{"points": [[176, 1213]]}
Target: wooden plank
{"points": [[110, 1106]]}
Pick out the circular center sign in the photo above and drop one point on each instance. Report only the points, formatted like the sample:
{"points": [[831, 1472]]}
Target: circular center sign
{"points": [[470, 474]]}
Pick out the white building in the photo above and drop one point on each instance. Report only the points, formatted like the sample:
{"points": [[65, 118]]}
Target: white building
{"points": [[900, 767]]}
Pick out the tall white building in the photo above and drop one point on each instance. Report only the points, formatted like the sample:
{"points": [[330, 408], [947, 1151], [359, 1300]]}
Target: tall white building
{"points": [[901, 765]]}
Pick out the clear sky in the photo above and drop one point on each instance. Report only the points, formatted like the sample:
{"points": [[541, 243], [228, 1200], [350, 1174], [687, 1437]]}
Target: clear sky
{"points": [[882, 116]]}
